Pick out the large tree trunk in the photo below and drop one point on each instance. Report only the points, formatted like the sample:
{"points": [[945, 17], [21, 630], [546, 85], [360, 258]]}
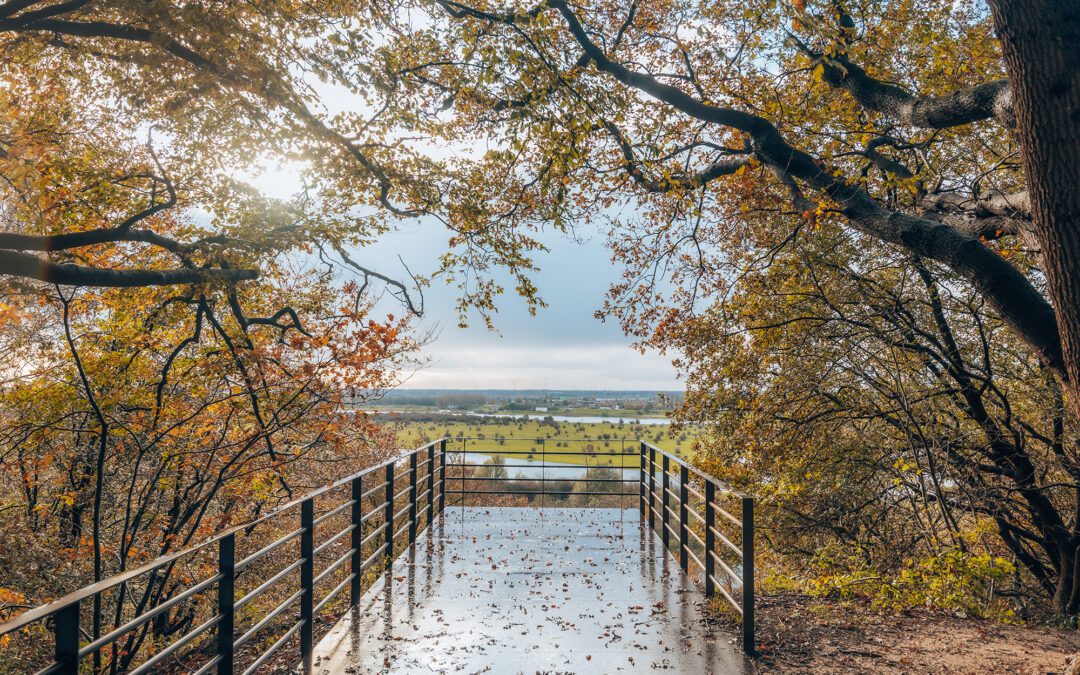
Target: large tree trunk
{"points": [[1040, 40]]}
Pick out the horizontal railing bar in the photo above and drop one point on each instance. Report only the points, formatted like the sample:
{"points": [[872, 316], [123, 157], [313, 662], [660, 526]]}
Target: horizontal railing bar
{"points": [[404, 509], [562, 452], [718, 586], [378, 531], [268, 548], [323, 546], [371, 558], [208, 666], [261, 588], [694, 492], [408, 488], [422, 496], [330, 514], [273, 648], [146, 616], [697, 561], [693, 534], [693, 512], [727, 542], [148, 665], [730, 572], [378, 488], [536, 492], [564, 467], [672, 531], [379, 510], [457, 440], [243, 639], [331, 567], [549, 480], [401, 529], [727, 515], [331, 594]]}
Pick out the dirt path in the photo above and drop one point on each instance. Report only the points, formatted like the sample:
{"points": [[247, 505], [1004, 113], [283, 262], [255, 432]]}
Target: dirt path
{"points": [[801, 635]]}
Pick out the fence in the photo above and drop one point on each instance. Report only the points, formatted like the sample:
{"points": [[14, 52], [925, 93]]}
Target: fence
{"points": [[667, 504], [683, 505], [406, 490]]}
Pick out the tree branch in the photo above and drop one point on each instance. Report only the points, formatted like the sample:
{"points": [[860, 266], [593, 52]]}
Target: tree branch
{"points": [[1011, 293], [992, 100], [31, 267]]}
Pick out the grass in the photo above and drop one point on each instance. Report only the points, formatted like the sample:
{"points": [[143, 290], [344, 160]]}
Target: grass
{"points": [[558, 442]]}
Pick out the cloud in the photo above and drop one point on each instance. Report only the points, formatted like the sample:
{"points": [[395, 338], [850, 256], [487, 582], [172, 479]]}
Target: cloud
{"points": [[574, 366]]}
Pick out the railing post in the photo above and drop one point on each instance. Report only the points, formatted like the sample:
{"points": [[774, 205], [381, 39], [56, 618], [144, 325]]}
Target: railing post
{"points": [[357, 537], [652, 487], [226, 600], [684, 526], [307, 581], [430, 484], [748, 574], [412, 496], [710, 538], [442, 475], [66, 632], [664, 502], [389, 515], [641, 482]]}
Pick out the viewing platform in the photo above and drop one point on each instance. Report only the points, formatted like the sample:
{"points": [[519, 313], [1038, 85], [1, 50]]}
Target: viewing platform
{"points": [[512, 589], [464, 555]]}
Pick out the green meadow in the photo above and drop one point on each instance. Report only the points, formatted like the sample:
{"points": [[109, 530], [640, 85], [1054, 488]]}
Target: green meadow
{"points": [[563, 442]]}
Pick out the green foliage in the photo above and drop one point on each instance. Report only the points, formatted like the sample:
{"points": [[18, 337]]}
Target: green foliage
{"points": [[954, 581]]}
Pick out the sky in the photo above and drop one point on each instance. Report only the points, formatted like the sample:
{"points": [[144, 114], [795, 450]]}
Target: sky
{"points": [[562, 347]]}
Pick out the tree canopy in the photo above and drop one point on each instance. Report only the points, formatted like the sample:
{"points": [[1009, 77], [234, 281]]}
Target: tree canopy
{"points": [[854, 223], [729, 146]]}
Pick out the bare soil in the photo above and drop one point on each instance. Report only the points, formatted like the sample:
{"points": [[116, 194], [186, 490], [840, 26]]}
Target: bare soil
{"points": [[799, 634]]}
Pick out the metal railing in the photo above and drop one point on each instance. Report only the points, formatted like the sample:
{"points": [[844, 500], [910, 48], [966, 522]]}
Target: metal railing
{"points": [[386, 507], [409, 486], [686, 508], [470, 479]]}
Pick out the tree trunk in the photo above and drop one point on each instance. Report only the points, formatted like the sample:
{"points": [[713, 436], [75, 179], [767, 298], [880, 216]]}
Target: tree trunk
{"points": [[1040, 40], [1067, 591]]}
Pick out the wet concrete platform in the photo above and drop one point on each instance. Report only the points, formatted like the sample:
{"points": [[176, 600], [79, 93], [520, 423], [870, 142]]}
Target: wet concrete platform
{"points": [[525, 590]]}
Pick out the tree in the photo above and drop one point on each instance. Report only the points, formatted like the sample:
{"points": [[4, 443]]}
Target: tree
{"points": [[734, 131], [177, 347], [553, 82], [222, 87]]}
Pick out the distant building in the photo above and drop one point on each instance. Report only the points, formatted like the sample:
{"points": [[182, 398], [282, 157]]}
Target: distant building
{"points": [[542, 408]]}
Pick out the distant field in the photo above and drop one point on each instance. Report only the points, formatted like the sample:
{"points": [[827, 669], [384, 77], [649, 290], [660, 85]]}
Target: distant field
{"points": [[558, 442], [615, 413]]}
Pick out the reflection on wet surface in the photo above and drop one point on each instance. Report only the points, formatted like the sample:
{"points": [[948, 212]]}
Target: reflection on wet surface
{"points": [[525, 590]]}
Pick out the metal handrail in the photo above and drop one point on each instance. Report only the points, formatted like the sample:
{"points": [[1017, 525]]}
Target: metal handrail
{"points": [[373, 535], [665, 506], [65, 610]]}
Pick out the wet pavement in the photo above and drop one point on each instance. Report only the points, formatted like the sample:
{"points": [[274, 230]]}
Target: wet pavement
{"points": [[526, 590]]}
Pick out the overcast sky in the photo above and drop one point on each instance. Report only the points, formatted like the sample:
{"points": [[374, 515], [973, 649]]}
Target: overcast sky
{"points": [[562, 347]]}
